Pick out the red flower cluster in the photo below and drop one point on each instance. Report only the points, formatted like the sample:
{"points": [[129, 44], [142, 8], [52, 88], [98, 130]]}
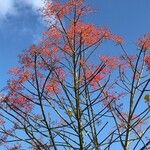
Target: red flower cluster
{"points": [[52, 87], [118, 39], [110, 61], [144, 42], [147, 61], [93, 74], [19, 101], [22, 74], [53, 33], [59, 10], [14, 85], [88, 33]]}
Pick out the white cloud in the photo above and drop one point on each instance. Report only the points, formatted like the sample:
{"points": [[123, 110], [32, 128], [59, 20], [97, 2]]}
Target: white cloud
{"points": [[7, 7], [35, 4]]}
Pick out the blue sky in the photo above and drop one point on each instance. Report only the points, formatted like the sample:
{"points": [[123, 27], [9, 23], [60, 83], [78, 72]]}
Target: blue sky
{"points": [[21, 25]]}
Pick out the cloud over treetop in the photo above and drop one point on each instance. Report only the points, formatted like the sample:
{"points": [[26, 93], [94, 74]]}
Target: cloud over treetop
{"points": [[9, 7]]}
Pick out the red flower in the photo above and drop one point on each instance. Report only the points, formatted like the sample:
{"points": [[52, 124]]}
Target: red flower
{"points": [[89, 33], [25, 75], [14, 85], [144, 42], [118, 39], [53, 33], [52, 87], [14, 71], [147, 61], [93, 76], [110, 61]]}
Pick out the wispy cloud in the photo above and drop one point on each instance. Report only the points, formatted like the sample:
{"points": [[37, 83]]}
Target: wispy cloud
{"points": [[9, 7], [34, 4]]}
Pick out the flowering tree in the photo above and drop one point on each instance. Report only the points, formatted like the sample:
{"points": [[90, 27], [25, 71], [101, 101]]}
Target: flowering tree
{"points": [[65, 96]]}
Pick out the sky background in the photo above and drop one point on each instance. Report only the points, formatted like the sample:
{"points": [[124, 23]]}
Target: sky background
{"points": [[21, 25]]}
